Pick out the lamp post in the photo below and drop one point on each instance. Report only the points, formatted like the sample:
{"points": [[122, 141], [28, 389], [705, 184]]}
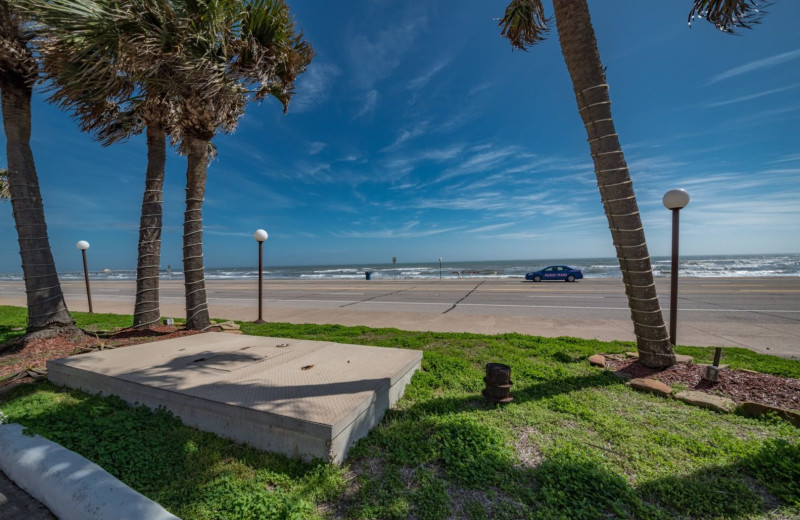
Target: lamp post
{"points": [[83, 245], [261, 236], [674, 200], [440, 268]]}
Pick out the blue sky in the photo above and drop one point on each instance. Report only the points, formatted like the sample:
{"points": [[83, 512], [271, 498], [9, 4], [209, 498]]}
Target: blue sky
{"points": [[418, 133]]}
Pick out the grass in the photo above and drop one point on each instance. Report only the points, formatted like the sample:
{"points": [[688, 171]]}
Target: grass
{"points": [[575, 443]]}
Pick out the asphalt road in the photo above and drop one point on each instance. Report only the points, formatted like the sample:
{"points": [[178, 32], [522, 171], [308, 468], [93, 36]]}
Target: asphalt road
{"points": [[758, 313]]}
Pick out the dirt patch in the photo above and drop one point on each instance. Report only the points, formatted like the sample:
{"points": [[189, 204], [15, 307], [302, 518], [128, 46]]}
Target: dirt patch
{"points": [[739, 385], [529, 454]]}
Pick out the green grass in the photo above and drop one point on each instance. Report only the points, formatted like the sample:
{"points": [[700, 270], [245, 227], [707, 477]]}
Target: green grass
{"points": [[575, 443]]}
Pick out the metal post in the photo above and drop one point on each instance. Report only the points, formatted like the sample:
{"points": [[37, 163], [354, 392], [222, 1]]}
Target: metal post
{"points": [[260, 283], [86, 275], [673, 297]]}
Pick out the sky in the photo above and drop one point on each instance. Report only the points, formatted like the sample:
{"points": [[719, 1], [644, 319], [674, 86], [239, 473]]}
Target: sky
{"points": [[417, 133]]}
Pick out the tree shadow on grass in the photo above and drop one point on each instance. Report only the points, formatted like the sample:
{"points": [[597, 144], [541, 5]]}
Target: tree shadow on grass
{"points": [[179, 467], [472, 459]]}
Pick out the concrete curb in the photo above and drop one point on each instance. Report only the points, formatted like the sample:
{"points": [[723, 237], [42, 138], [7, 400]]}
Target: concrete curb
{"points": [[72, 487]]}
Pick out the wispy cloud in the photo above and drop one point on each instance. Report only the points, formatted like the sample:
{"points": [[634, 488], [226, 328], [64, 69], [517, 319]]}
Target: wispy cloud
{"points": [[368, 105], [407, 134], [751, 96], [314, 86], [480, 87], [492, 227], [316, 147], [409, 230], [756, 65], [423, 79], [374, 57]]}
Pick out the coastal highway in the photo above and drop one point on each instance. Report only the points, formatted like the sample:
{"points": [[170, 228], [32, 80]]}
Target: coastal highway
{"points": [[758, 313]]}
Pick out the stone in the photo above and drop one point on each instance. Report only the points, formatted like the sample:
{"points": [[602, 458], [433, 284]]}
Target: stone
{"points": [[717, 403], [651, 385], [598, 360], [755, 409], [683, 359], [616, 357], [632, 354], [228, 325]]}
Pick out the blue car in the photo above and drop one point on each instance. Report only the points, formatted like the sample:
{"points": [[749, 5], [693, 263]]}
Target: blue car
{"points": [[555, 272]]}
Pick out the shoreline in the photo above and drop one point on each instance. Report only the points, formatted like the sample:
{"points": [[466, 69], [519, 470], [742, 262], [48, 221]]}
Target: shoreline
{"points": [[760, 313]]}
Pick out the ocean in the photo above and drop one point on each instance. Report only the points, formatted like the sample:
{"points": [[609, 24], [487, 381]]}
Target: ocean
{"points": [[690, 266]]}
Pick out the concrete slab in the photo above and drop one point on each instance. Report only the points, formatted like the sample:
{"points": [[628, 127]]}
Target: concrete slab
{"points": [[301, 398]]}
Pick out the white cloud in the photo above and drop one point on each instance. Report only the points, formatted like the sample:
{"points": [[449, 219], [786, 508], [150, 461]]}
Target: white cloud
{"points": [[314, 86], [751, 96], [756, 65], [316, 147], [370, 101], [406, 135], [423, 79], [374, 57]]}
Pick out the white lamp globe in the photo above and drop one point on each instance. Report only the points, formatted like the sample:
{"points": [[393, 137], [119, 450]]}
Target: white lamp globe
{"points": [[260, 235], [83, 245], [676, 199]]}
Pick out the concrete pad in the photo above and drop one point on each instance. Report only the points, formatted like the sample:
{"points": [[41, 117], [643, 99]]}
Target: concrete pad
{"points": [[309, 399]]}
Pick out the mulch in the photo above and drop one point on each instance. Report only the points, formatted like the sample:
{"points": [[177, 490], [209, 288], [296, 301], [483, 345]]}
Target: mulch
{"points": [[739, 385], [26, 361]]}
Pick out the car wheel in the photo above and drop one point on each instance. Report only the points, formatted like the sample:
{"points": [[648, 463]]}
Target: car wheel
{"points": [[570, 278], [537, 278]]}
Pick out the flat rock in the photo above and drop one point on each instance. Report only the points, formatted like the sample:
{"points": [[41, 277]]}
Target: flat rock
{"points": [[651, 385], [598, 360], [616, 357], [755, 409], [632, 354], [683, 359], [704, 400]]}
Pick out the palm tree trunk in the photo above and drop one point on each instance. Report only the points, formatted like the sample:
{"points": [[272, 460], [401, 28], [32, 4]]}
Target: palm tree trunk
{"points": [[146, 311], [579, 47], [194, 281], [47, 309]]}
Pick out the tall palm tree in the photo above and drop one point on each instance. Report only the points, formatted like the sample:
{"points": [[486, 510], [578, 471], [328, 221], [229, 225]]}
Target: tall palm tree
{"points": [[116, 87], [525, 24], [251, 51], [47, 310]]}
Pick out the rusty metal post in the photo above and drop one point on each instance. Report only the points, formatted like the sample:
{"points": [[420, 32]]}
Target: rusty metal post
{"points": [[498, 383]]}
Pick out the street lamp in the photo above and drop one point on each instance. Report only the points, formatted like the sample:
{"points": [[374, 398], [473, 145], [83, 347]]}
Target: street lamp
{"points": [[83, 245], [261, 236], [440, 268], [674, 200]]}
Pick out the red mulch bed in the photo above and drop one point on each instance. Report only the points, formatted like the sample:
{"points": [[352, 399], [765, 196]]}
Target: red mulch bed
{"points": [[739, 385], [33, 355]]}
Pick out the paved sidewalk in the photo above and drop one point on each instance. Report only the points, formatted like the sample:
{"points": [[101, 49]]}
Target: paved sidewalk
{"points": [[16, 504]]}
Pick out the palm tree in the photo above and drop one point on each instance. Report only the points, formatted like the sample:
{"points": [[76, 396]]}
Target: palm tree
{"points": [[47, 310], [115, 87], [524, 24], [250, 50]]}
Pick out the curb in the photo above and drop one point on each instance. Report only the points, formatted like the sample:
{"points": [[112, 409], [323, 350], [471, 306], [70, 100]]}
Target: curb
{"points": [[72, 487]]}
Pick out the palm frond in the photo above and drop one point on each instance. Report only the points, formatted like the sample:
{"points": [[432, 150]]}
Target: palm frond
{"points": [[5, 192], [728, 15], [524, 23]]}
